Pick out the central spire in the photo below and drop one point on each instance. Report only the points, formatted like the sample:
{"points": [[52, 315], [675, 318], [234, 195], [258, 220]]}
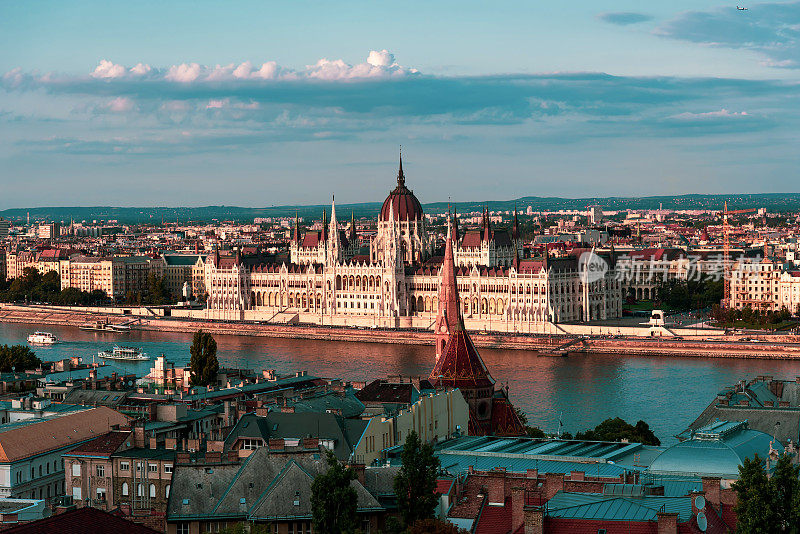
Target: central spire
{"points": [[401, 179]]}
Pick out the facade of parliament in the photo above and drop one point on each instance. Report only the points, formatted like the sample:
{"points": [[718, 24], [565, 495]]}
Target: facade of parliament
{"points": [[329, 280]]}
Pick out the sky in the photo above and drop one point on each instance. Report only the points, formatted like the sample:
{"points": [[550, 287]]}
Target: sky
{"points": [[262, 103]]}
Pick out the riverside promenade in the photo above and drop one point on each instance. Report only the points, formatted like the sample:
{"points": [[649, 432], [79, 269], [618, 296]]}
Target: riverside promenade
{"points": [[767, 346]]}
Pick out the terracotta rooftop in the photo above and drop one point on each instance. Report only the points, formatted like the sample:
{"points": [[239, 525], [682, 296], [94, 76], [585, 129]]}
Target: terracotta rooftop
{"points": [[80, 521], [103, 446], [53, 433]]}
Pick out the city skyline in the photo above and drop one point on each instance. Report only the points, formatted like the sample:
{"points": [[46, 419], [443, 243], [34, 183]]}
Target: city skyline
{"points": [[176, 105]]}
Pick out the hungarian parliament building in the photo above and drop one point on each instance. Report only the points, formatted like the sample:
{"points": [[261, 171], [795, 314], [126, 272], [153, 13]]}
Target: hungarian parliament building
{"points": [[330, 280]]}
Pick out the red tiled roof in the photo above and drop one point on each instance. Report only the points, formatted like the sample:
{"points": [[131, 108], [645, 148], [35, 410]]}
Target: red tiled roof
{"points": [[460, 365], [105, 445], [495, 519], [81, 521]]}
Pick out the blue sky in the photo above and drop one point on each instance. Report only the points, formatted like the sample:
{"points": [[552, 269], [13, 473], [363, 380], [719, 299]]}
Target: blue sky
{"points": [[266, 103]]}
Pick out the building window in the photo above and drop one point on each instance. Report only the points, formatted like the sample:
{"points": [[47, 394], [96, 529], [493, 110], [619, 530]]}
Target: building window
{"points": [[76, 494], [168, 468], [166, 491], [124, 489], [140, 490], [101, 470], [152, 468], [183, 528], [76, 470], [152, 490], [124, 466], [101, 494]]}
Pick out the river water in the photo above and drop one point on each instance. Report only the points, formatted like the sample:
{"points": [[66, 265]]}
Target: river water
{"points": [[666, 392]]}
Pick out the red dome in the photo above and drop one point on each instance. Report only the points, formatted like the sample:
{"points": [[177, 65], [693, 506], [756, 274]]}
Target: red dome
{"points": [[402, 201]]}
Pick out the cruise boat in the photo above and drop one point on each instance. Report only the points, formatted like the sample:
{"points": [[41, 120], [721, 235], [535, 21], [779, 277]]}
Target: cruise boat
{"points": [[42, 338], [128, 354]]}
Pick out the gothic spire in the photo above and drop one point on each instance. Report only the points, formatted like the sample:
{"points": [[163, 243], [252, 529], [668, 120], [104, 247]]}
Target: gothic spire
{"points": [[401, 179], [296, 236], [515, 231], [353, 233]]}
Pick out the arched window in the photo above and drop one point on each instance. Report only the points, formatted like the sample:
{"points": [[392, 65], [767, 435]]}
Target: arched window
{"points": [[166, 491], [140, 490], [152, 490], [124, 489]]}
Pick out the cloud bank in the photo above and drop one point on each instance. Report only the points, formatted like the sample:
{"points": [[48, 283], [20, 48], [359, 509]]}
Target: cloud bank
{"points": [[771, 30]]}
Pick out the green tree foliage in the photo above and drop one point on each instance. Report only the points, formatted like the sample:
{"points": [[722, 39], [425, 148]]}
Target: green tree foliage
{"points": [[203, 363], [685, 295], [784, 486], [435, 526], [617, 430], [756, 506], [415, 483], [748, 317], [17, 357], [33, 286], [334, 502], [531, 431]]}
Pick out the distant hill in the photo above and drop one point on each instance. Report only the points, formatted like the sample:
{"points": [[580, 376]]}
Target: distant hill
{"points": [[774, 202]]}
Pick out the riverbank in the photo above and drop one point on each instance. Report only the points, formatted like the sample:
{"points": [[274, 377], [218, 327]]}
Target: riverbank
{"points": [[771, 347]]}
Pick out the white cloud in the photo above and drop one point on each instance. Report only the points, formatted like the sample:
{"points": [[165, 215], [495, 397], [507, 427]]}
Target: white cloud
{"points": [[722, 113], [380, 59], [217, 103], [379, 64], [107, 69], [184, 73], [120, 104], [140, 69]]}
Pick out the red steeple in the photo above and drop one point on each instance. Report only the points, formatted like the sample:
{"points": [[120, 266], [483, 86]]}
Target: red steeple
{"points": [[458, 363]]}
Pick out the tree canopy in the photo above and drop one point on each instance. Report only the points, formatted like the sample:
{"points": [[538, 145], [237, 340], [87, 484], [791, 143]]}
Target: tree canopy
{"points": [[768, 504], [18, 358], [334, 502], [618, 430], [37, 287], [203, 363], [415, 483]]}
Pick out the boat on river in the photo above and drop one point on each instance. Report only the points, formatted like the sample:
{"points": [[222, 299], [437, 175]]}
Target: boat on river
{"points": [[42, 338], [126, 354], [100, 326]]}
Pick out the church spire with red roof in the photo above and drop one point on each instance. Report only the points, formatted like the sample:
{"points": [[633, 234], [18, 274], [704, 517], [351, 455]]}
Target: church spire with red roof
{"points": [[458, 364]]}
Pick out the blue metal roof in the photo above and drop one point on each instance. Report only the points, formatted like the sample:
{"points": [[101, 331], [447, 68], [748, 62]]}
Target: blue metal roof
{"points": [[597, 506], [717, 449]]}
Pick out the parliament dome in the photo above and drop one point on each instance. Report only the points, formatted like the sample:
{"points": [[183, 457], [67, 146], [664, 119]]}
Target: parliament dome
{"points": [[401, 201]]}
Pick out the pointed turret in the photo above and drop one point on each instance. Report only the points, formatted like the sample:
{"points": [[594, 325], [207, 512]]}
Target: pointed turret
{"points": [[458, 364], [447, 315], [353, 234], [296, 235], [324, 235], [401, 179], [487, 225]]}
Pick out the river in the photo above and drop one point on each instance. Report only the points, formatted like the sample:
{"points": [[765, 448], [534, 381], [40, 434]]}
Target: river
{"points": [[666, 392]]}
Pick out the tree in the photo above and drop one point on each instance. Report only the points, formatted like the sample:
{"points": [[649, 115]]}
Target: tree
{"points": [[415, 483], [204, 364], [531, 431], [18, 358], [617, 430], [334, 502], [756, 511], [785, 484]]}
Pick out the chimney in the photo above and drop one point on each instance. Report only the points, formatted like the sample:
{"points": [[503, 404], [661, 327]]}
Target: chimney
{"points": [[138, 436], [496, 484], [153, 443], [534, 520], [360, 470], [517, 507], [711, 488], [667, 523]]}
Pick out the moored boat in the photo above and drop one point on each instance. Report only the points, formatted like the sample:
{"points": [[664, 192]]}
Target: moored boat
{"points": [[129, 354], [42, 338]]}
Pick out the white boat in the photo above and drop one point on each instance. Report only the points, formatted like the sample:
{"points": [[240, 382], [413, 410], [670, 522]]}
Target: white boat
{"points": [[42, 338], [128, 354]]}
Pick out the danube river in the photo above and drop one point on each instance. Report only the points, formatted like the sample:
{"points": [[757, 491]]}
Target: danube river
{"points": [[667, 392]]}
